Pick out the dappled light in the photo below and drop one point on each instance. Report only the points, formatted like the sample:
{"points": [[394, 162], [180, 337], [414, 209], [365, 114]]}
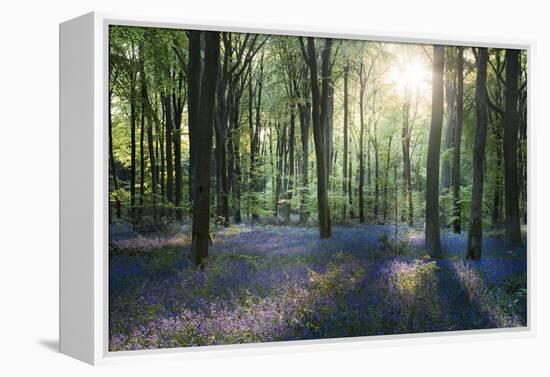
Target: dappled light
{"points": [[261, 285], [274, 188]]}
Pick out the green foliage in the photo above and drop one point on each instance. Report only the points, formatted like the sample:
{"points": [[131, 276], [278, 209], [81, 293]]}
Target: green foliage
{"points": [[389, 247], [342, 274], [278, 68]]}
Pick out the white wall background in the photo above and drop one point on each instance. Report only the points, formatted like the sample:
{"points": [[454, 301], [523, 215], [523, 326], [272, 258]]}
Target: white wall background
{"points": [[29, 185]]}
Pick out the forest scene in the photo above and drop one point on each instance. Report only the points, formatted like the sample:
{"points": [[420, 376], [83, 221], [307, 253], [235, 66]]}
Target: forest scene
{"points": [[272, 188]]}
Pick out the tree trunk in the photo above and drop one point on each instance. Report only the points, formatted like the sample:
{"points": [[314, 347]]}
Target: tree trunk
{"points": [[133, 147], [497, 193], [376, 170], [329, 123], [510, 145], [146, 108], [168, 145], [193, 98], [350, 193], [235, 150], [457, 142], [319, 110], [162, 177], [406, 146], [449, 127], [203, 139], [112, 163], [362, 84], [177, 104], [475, 229], [220, 128], [433, 241], [305, 119], [345, 157], [385, 207], [141, 153], [254, 130], [290, 183], [522, 150]]}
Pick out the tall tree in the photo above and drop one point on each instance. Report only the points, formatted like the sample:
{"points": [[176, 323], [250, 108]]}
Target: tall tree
{"points": [[496, 115], [146, 108], [385, 206], [203, 139], [304, 108], [133, 121], [345, 157], [319, 109], [238, 53], [364, 76], [373, 135], [457, 141], [510, 145], [433, 241], [141, 142], [406, 134], [362, 88], [193, 97], [254, 127], [168, 143], [475, 231], [449, 126], [178, 103], [112, 163]]}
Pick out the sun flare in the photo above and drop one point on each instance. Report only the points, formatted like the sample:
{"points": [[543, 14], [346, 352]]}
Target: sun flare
{"points": [[409, 76]]}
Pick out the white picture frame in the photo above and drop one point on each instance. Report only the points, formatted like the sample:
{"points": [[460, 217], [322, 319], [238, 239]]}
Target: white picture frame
{"points": [[84, 189]]}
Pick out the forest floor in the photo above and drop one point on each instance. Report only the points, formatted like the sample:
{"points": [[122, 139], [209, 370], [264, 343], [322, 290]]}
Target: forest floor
{"points": [[275, 283]]}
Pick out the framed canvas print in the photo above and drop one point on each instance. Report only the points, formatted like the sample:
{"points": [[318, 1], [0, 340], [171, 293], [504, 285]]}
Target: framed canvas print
{"points": [[223, 185]]}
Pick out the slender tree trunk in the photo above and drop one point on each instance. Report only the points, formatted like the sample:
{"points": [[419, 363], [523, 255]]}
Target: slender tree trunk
{"points": [[386, 179], [236, 170], [178, 178], [497, 193], [329, 124], [475, 229], [522, 150], [168, 145], [162, 178], [361, 146], [237, 184], [510, 140], [201, 210], [290, 164], [254, 130], [376, 170], [369, 165], [193, 98], [153, 163], [146, 109], [350, 192], [406, 146], [221, 174], [345, 157], [457, 211], [449, 127], [112, 163], [141, 154], [396, 196], [133, 147], [319, 109], [220, 128], [433, 241], [305, 119]]}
